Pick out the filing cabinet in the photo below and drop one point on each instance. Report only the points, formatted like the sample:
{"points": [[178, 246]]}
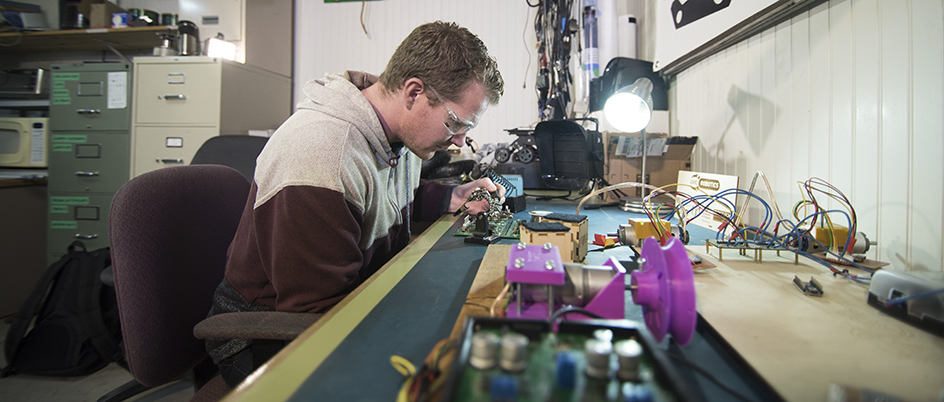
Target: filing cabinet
{"points": [[90, 151], [180, 102]]}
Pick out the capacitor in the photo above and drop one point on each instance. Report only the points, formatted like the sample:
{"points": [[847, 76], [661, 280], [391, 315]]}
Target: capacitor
{"points": [[566, 371], [514, 353], [627, 353], [503, 388], [597, 353], [484, 350]]}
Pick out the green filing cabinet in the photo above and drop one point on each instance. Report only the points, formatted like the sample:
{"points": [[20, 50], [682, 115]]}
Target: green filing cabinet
{"points": [[90, 151]]}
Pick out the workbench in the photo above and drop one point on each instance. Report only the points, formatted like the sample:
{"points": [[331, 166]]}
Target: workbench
{"points": [[756, 332]]}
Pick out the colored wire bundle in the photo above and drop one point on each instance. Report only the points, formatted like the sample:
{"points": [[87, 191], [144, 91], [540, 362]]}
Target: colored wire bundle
{"points": [[774, 231], [419, 384]]}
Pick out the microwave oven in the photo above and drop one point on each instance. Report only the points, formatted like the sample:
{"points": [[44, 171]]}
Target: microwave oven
{"points": [[24, 142]]}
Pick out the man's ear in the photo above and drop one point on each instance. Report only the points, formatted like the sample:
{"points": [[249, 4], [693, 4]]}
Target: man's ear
{"points": [[412, 88]]}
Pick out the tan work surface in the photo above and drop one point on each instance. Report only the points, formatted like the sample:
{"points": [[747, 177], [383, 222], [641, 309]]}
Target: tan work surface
{"points": [[488, 283], [801, 344]]}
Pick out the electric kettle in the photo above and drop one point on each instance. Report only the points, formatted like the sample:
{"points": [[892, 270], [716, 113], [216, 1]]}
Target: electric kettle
{"points": [[189, 39]]}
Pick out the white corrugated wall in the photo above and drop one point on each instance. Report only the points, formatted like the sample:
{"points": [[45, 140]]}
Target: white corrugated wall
{"points": [[850, 92], [329, 38]]}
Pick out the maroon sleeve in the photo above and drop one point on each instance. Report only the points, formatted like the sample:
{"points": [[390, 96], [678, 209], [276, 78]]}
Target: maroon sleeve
{"points": [[298, 251], [430, 200]]}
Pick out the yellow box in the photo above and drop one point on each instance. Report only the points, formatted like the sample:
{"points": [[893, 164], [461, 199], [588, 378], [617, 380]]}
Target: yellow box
{"points": [[838, 241]]}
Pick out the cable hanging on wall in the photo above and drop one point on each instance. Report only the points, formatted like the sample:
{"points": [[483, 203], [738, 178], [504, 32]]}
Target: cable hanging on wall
{"points": [[555, 28]]}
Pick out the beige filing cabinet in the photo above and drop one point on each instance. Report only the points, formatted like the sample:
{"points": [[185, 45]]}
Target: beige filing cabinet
{"points": [[180, 102]]}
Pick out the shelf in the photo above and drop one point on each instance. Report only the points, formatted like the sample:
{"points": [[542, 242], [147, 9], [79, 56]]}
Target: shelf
{"points": [[139, 38], [24, 103]]}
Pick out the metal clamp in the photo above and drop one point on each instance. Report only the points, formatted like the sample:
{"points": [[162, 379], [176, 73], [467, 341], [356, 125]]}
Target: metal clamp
{"points": [[86, 174], [88, 111], [86, 237]]}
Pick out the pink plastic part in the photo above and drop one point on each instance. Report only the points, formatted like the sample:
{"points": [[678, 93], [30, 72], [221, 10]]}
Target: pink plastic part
{"points": [[665, 289]]}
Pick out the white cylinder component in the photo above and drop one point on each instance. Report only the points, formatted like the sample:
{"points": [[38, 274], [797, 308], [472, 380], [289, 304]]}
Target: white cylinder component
{"points": [[626, 31], [607, 31]]}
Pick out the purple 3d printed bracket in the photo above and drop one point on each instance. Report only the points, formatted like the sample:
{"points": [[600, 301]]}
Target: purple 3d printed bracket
{"points": [[542, 265]]}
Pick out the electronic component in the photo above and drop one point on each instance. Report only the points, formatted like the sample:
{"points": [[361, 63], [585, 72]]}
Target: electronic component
{"points": [[743, 248], [637, 230], [570, 361], [504, 228], [836, 237], [484, 350], [487, 226], [482, 232]]}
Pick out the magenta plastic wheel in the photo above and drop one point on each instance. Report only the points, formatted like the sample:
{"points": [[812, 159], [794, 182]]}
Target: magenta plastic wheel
{"points": [[665, 289]]}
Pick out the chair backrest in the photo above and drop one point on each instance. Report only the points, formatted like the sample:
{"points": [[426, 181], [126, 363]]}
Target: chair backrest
{"points": [[236, 151], [170, 230]]}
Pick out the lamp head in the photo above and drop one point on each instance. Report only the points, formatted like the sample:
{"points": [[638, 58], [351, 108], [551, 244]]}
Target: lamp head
{"points": [[630, 108]]}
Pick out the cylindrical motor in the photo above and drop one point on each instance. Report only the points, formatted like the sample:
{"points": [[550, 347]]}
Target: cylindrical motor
{"points": [[627, 234], [581, 285], [862, 243]]}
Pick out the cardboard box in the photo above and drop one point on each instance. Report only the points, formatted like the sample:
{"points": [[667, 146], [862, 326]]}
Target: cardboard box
{"points": [[666, 157], [100, 14]]}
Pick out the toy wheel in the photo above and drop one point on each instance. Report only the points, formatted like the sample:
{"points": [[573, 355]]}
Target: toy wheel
{"points": [[526, 155], [502, 155]]}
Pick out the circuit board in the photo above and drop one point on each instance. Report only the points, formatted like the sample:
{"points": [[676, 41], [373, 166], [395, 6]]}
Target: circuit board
{"points": [[744, 248], [545, 378], [505, 228]]}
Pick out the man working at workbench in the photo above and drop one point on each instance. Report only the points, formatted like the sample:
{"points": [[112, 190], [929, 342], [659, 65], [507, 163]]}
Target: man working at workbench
{"points": [[337, 184]]}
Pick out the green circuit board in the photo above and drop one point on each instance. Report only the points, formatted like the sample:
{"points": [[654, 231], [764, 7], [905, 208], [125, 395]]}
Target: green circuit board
{"points": [[506, 228], [539, 381]]}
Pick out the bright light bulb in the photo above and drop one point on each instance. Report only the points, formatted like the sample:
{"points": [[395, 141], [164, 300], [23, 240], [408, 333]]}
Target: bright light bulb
{"points": [[630, 108], [627, 112]]}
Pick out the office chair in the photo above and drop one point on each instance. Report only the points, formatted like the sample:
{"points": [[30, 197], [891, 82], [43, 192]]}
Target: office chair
{"points": [[236, 151], [170, 230]]}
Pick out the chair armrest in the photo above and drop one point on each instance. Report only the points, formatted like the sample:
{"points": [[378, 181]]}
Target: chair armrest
{"points": [[276, 325]]}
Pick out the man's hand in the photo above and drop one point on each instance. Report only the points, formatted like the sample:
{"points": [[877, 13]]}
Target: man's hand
{"points": [[461, 193]]}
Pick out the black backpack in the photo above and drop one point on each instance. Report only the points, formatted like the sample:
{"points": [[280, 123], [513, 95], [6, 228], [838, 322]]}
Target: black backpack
{"points": [[71, 318]]}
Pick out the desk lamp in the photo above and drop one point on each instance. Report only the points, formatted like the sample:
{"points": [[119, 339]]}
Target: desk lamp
{"points": [[629, 91], [629, 110]]}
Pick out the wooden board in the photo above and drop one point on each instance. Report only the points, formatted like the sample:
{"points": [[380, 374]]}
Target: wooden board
{"points": [[802, 344], [488, 283]]}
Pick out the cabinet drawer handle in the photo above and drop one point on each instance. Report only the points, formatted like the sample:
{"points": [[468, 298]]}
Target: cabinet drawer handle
{"points": [[88, 111], [170, 160], [86, 174], [86, 237], [172, 97]]}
